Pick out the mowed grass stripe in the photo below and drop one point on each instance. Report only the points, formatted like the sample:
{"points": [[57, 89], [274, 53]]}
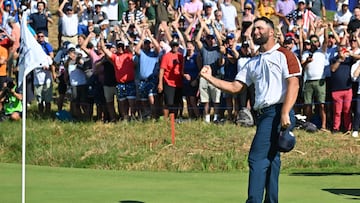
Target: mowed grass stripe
{"points": [[60, 185]]}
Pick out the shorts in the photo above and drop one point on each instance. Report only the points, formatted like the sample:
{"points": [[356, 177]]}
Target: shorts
{"points": [[109, 93], [314, 89], [147, 88], [80, 93], [208, 91], [43, 93], [172, 95], [126, 91]]}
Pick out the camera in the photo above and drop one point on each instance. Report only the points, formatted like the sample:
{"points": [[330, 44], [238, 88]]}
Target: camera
{"points": [[10, 85], [310, 55]]}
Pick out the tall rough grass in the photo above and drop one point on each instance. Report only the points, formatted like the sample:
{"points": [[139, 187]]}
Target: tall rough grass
{"points": [[147, 146]]}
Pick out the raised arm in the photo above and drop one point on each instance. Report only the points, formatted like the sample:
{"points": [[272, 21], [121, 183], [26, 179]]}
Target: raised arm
{"points": [[154, 41], [198, 36], [86, 42], [107, 52], [81, 9], [61, 7], [230, 87], [140, 43]]}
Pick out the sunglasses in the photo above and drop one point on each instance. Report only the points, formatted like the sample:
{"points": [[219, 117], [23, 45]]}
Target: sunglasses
{"points": [[314, 41], [41, 36]]}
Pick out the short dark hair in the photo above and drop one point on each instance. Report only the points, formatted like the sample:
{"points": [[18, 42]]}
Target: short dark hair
{"points": [[266, 20], [40, 2], [39, 32], [312, 36]]}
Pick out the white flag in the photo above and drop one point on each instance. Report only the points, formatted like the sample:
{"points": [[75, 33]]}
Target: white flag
{"points": [[31, 54]]}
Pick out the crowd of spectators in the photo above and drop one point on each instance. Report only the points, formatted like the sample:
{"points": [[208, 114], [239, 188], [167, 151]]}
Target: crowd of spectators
{"points": [[147, 55]]}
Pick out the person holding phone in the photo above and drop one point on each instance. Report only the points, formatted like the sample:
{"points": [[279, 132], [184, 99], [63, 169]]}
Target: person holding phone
{"points": [[314, 78]]}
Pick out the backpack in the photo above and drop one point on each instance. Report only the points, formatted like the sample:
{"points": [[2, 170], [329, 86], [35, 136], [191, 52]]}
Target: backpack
{"points": [[244, 118]]}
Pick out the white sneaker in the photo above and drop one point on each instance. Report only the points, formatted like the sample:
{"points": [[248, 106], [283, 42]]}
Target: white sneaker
{"points": [[355, 134]]}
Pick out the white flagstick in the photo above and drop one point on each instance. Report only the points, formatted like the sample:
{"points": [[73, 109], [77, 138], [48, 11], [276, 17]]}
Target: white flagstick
{"points": [[23, 154]]}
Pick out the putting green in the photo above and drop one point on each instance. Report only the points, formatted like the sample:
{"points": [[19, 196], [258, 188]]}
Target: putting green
{"points": [[64, 185]]}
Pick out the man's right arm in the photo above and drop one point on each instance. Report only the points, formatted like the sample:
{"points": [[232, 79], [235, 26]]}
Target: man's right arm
{"points": [[230, 87]]}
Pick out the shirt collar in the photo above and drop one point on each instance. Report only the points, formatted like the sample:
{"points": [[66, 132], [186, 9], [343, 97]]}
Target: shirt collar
{"points": [[275, 47]]}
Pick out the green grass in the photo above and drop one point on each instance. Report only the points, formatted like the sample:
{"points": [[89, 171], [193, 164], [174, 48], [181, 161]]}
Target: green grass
{"points": [[147, 146], [59, 185]]}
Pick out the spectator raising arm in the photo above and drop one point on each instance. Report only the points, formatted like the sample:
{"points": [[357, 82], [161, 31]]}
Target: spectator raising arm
{"points": [[107, 52]]}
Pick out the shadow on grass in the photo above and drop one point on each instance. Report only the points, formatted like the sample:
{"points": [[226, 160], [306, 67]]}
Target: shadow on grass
{"points": [[130, 201], [323, 174], [345, 191]]}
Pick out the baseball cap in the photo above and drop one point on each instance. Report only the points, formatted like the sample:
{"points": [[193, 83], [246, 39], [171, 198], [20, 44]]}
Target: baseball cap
{"points": [[175, 35], [211, 36], [230, 35], [69, 8], [346, 2], [290, 34], [71, 47], [174, 42], [147, 39], [307, 41], [97, 3], [208, 4], [104, 22], [286, 140], [109, 45], [7, 3], [302, 1], [120, 43]]}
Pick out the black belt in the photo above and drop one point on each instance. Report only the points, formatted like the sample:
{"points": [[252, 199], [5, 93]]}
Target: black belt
{"points": [[71, 36], [268, 108], [314, 80]]}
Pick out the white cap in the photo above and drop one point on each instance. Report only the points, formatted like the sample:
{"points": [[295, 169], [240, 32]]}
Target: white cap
{"points": [[104, 22], [147, 39], [346, 2], [97, 3], [302, 1], [69, 46]]}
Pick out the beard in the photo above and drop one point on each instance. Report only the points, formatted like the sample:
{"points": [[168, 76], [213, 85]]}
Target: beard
{"points": [[260, 40]]}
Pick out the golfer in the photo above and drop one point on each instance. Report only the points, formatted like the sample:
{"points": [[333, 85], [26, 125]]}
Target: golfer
{"points": [[274, 72]]}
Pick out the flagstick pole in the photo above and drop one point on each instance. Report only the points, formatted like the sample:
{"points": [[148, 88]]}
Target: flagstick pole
{"points": [[24, 102]]}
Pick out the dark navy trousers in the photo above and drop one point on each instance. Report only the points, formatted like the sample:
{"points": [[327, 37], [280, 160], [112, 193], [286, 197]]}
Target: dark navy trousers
{"points": [[264, 157]]}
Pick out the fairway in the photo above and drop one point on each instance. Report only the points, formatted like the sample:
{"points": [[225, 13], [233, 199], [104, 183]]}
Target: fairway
{"points": [[63, 185]]}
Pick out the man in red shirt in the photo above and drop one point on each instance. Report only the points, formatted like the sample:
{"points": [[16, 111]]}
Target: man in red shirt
{"points": [[170, 78], [125, 76]]}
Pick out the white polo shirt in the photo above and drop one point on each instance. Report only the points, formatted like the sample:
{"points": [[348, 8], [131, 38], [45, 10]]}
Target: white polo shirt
{"points": [[268, 72], [229, 15], [70, 25], [315, 70]]}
